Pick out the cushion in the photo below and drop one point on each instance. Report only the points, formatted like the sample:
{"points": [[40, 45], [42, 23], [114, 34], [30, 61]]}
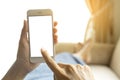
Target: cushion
{"points": [[64, 47], [102, 72], [101, 53], [115, 62]]}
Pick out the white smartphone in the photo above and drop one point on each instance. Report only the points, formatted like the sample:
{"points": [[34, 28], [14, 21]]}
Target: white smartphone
{"points": [[40, 24]]}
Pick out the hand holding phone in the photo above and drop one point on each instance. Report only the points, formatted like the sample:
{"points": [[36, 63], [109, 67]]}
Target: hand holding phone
{"points": [[40, 24]]}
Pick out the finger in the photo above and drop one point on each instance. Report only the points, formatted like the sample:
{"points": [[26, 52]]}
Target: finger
{"points": [[55, 38], [54, 33], [51, 63], [55, 41], [23, 43], [80, 70], [26, 25], [79, 66], [62, 65], [87, 68], [68, 67], [24, 30], [89, 72], [55, 23], [54, 30]]}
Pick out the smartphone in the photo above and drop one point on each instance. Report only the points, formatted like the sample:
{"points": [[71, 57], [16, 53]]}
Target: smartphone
{"points": [[40, 24]]}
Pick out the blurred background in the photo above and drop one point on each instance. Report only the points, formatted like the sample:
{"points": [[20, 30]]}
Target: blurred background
{"points": [[71, 16], [78, 20]]}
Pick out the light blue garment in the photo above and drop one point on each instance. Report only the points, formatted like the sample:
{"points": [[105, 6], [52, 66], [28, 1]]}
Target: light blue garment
{"points": [[43, 72]]}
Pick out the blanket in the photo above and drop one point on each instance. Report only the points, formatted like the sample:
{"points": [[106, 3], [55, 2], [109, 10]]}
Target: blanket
{"points": [[43, 72]]}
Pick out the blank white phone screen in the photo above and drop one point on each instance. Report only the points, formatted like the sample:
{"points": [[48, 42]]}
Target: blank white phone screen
{"points": [[41, 35]]}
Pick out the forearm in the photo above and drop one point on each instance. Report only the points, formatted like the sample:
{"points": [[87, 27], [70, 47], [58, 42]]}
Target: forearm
{"points": [[15, 73]]}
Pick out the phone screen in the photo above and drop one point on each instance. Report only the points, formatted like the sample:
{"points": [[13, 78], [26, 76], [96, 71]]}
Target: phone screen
{"points": [[40, 35]]}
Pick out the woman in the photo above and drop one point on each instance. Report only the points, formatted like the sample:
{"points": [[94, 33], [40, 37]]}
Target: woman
{"points": [[23, 69]]}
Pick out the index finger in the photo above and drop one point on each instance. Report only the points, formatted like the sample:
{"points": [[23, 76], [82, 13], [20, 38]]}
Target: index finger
{"points": [[55, 23], [51, 63]]}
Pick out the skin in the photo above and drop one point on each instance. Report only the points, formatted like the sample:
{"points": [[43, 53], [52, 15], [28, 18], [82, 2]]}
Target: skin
{"points": [[67, 71], [22, 65], [82, 50]]}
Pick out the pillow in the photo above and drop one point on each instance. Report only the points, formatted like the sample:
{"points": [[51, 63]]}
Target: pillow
{"points": [[101, 53], [115, 62]]}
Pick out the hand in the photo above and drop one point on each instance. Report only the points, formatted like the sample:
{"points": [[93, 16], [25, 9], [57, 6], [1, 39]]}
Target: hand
{"points": [[22, 65], [54, 33], [23, 50], [68, 71], [83, 50]]}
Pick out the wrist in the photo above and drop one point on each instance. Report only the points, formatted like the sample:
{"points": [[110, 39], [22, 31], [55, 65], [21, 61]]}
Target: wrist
{"points": [[16, 72], [21, 70]]}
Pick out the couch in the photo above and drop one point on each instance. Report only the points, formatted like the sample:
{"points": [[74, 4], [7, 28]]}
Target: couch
{"points": [[104, 61]]}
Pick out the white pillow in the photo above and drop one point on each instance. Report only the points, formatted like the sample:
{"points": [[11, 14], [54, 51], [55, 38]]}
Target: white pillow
{"points": [[102, 72], [115, 62]]}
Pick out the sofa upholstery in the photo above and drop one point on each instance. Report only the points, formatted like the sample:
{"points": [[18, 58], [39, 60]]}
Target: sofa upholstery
{"points": [[115, 61], [104, 61]]}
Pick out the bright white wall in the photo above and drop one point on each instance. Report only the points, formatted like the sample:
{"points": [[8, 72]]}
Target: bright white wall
{"points": [[71, 15]]}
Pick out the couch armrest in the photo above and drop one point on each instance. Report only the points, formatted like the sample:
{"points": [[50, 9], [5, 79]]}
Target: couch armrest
{"points": [[101, 53], [64, 47]]}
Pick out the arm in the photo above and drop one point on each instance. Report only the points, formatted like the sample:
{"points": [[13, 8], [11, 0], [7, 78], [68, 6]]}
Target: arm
{"points": [[22, 66], [15, 73], [67, 71]]}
